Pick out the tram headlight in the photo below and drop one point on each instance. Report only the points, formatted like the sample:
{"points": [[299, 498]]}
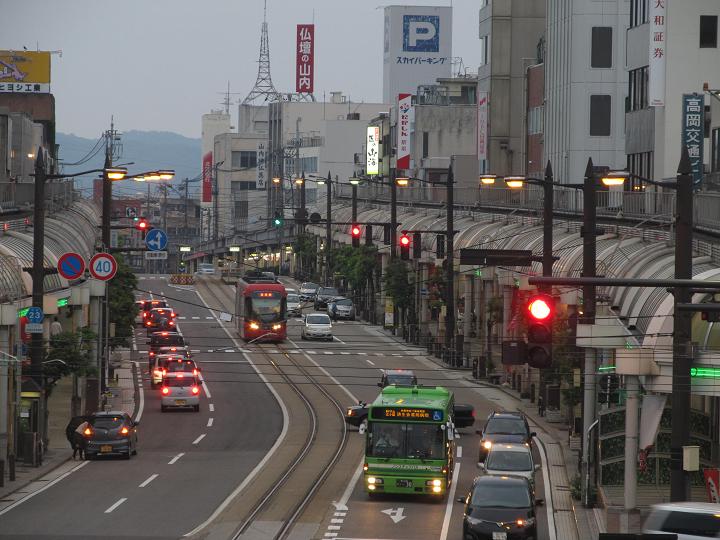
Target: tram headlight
{"points": [[277, 326], [254, 326], [372, 481], [436, 483]]}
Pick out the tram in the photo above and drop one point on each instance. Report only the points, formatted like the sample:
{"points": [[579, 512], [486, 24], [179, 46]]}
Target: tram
{"points": [[260, 309], [410, 441]]}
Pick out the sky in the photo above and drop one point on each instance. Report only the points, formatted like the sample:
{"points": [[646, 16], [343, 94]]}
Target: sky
{"points": [[158, 65]]}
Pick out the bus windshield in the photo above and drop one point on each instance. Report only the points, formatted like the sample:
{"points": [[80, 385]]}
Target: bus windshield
{"points": [[266, 306], [406, 441]]}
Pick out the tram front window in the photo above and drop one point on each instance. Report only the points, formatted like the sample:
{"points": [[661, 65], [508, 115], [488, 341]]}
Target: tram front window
{"points": [[406, 441], [266, 306]]}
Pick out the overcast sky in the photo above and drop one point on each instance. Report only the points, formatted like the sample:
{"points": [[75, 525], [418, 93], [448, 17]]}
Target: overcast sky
{"points": [[161, 64]]}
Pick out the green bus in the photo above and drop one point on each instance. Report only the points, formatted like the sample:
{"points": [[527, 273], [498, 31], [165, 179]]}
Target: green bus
{"points": [[410, 441]]}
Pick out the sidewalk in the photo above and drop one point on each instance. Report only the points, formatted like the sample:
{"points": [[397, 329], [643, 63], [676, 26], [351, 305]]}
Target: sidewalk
{"points": [[57, 461]]}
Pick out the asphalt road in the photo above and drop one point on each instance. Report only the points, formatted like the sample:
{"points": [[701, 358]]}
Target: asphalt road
{"points": [[187, 462]]}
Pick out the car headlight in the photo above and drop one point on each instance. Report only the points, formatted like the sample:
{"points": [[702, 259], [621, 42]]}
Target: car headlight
{"points": [[350, 412], [487, 445], [528, 522]]}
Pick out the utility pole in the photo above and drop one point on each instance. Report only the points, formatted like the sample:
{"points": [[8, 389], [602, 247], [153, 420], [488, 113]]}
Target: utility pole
{"points": [[303, 211], [393, 214], [328, 229], [588, 317], [682, 333], [450, 270], [185, 235], [354, 203], [216, 205]]}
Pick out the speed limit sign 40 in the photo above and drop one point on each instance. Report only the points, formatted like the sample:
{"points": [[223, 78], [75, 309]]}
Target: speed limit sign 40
{"points": [[103, 266]]}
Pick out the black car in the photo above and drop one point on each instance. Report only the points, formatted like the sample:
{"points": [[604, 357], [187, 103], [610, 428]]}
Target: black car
{"points": [[500, 507], [504, 427], [400, 377], [110, 433], [323, 295]]}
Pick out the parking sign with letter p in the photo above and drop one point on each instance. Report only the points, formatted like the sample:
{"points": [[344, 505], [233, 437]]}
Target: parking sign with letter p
{"points": [[421, 33]]}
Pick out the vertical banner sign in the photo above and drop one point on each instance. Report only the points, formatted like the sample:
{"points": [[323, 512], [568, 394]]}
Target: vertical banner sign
{"points": [[693, 123], [261, 176], [304, 64], [403, 131], [656, 76], [207, 178], [372, 162], [482, 118]]}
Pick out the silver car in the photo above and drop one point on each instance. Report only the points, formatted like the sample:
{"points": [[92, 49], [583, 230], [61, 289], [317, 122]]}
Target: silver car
{"points": [[294, 305], [689, 520], [308, 290], [317, 326], [341, 308], [510, 459], [180, 390]]}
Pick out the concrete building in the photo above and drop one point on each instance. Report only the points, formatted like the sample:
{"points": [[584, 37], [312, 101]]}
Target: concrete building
{"points": [[585, 85], [509, 31], [214, 123], [653, 133], [534, 123]]}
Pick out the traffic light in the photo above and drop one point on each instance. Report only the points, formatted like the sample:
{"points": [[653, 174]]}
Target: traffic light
{"points": [[277, 220], [440, 246], [540, 316], [355, 232], [405, 247], [368, 235], [417, 245], [142, 226]]}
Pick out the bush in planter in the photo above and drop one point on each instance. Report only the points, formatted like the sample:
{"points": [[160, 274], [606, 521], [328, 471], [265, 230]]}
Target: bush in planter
{"points": [[524, 395]]}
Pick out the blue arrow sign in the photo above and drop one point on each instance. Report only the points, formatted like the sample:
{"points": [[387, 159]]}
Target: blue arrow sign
{"points": [[156, 240], [35, 315]]}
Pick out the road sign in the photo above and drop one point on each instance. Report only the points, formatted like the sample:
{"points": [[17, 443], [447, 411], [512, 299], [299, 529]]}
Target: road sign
{"points": [[156, 240], [131, 212], [35, 315], [71, 265], [103, 266], [496, 257], [34, 328], [155, 255], [396, 514]]}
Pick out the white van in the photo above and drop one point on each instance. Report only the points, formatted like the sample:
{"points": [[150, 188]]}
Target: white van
{"points": [[206, 268], [689, 520]]}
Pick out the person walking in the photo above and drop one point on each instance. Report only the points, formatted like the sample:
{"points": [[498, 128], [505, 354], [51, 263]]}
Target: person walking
{"points": [[541, 406], [79, 441], [55, 327]]}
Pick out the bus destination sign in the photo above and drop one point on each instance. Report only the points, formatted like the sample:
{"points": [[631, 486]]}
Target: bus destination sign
{"points": [[407, 413]]}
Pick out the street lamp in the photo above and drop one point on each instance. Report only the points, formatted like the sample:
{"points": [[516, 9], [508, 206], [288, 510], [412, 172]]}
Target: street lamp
{"points": [[487, 179], [354, 180], [615, 178], [402, 181], [515, 182]]}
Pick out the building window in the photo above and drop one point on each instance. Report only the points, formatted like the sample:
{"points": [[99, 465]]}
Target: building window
{"points": [[244, 159], [600, 112], [715, 151], [638, 89], [308, 165], [708, 31], [601, 51], [535, 120], [638, 12], [484, 50], [426, 144]]}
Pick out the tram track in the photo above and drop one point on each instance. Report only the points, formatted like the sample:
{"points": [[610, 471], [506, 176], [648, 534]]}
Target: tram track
{"points": [[295, 483]]}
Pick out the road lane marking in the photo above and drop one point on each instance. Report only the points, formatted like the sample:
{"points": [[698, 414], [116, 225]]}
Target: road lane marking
{"points": [[552, 532], [211, 407], [146, 482], [141, 407], [47, 486], [370, 362], [344, 352], [340, 514], [451, 503], [173, 460], [114, 506], [337, 520], [340, 340], [195, 318], [341, 505], [200, 438], [210, 422], [459, 452], [333, 527], [261, 465], [328, 352], [205, 387]]}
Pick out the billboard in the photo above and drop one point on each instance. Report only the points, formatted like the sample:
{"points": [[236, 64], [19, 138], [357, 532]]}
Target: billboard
{"points": [[372, 151], [261, 174], [656, 63], [403, 131], [26, 72], [207, 178], [482, 125], [417, 48], [304, 62], [693, 129]]}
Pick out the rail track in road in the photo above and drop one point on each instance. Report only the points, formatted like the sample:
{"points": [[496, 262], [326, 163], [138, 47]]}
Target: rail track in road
{"points": [[300, 478]]}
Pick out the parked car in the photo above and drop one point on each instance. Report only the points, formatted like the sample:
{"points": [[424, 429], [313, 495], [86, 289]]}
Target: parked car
{"points": [[689, 520], [317, 326], [504, 427], [308, 290], [323, 295], [180, 391], [294, 305], [500, 508], [341, 308], [206, 268], [111, 432], [511, 460]]}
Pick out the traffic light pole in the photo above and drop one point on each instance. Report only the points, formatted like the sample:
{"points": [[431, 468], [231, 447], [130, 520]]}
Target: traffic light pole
{"points": [[548, 193], [449, 271], [328, 230], [393, 215]]}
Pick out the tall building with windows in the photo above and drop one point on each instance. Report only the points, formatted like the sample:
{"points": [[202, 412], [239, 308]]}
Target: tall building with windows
{"points": [[671, 50], [585, 85]]}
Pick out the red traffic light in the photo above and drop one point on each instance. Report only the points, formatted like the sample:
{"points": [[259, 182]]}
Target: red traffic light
{"points": [[141, 225], [539, 308], [404, 240], [355, 231]]}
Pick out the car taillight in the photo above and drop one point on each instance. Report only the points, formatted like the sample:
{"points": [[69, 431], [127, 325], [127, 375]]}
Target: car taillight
{"points": [[148, 323], [165, 390], [195, 390], [172, 323], [152, 353], [124, 431], [195, 372], [87, 432], [164, 371], [173, 315], [144, 314]]}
